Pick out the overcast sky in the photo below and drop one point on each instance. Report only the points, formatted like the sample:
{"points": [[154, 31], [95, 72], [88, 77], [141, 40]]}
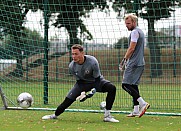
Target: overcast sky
{"points": [[105, 28]]}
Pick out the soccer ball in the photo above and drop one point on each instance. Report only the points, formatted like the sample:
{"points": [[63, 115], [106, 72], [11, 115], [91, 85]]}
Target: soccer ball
{"points": [[25, 100], [103, 105]]}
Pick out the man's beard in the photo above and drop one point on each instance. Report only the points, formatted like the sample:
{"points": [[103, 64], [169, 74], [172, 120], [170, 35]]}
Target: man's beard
{"points": [[131, 28]]}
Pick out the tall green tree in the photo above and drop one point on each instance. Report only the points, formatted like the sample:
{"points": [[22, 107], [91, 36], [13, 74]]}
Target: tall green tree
{"points": [[32, 43], [69, 15], [152, 11], [12, 14]]}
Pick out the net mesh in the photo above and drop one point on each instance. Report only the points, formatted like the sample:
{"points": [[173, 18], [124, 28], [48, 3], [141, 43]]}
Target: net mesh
{"points": [[36, 36]]}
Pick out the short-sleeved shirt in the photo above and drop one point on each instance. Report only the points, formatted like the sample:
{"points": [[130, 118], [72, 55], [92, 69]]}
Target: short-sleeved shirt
{"points": [[87, 71], [135, 64], [137, 58], [86, 75]]}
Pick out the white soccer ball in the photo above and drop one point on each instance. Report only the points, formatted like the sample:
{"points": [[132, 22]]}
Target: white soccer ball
{"points": [[103, 105], [25, 100]]}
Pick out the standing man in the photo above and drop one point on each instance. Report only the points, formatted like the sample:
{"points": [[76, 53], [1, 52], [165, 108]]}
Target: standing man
{"points": [[86, 70], [133, 63]]}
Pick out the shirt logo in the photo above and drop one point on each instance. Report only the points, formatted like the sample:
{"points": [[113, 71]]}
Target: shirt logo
{"points": [[87, 72]]}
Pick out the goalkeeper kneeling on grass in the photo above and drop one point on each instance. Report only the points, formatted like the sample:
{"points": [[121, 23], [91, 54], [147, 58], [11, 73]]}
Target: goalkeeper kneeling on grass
{"points": [[85, 69]]}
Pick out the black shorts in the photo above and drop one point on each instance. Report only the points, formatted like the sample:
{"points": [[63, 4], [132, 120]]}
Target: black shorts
{"points": [[78, 88]]}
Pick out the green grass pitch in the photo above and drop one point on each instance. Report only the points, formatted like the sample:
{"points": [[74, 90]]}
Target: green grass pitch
{"points": [[30, 120], [20, 120]]}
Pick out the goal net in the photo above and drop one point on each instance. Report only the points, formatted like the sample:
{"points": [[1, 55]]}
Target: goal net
{"points": [[36, 36]]}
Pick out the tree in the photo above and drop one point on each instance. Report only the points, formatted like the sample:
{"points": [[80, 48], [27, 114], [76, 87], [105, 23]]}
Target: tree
{"points": [[13, 13], [152, 10], [32, 43], [122, 43], [11, 22], [69, 15]]}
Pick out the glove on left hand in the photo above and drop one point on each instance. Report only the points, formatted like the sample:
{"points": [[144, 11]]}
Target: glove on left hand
{"points": [[84, 96], [122, 64]]}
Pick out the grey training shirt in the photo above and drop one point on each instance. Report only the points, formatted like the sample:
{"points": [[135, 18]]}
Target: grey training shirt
{"points": [[87, 71], [137, 58]]}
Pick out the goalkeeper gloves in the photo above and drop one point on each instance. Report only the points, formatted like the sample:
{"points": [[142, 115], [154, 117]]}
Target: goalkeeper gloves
{"points": [[84, 96], [122, 64], [91, 93]]}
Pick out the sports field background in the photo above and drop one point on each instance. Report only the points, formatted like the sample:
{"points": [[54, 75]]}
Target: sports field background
{"points": [[162, 93], [35, 58]]}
